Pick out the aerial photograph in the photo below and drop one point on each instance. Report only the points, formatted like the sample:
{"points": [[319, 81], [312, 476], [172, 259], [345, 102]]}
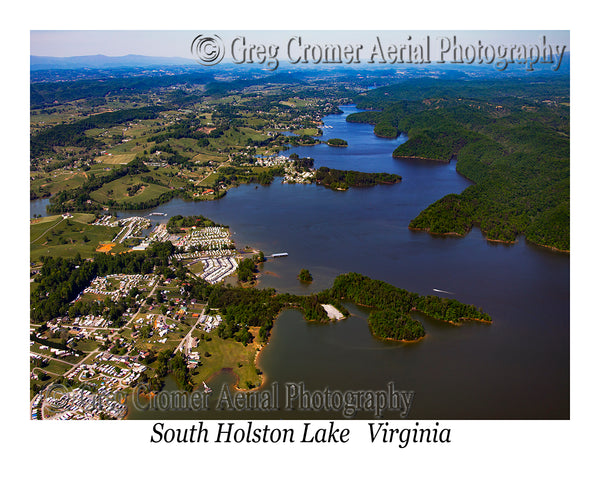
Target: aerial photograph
{"points": [[299, 225]]}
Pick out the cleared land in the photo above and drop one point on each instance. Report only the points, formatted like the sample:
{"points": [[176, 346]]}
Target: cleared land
{"points": [[117, 190], [230, 353], [119, 159], [60, 237]]}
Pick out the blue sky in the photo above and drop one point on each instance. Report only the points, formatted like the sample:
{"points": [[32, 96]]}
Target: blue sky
{"points": [[165, 43]]}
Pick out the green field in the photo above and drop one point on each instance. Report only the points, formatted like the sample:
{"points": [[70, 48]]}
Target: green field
{"points": [[206, 157], [58, 180], [313, 132], [55, 236], [87, 345], [58, 368], [119, 159], [197, 268], [209, 181], [117, 190], [226, 354], [237, 137]]}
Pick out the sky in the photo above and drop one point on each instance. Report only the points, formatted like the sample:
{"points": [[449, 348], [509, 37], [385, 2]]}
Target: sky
{"points": [[176, 43]]}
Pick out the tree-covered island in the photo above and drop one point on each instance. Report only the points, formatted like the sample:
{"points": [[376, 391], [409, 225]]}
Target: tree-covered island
{"points": [[305, 276], [337, 142], [344, 179]]}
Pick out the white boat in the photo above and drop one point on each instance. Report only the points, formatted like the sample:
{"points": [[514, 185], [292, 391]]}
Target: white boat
{"points": [[442, 291]]}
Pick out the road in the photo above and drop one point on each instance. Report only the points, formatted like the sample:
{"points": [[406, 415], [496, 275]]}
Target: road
{"points": [[185, 339], [53, 358], [142, 305], [83, 360], [57, 223]]}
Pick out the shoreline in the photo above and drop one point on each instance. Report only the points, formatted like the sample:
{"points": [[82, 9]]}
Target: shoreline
{"points": [[386, 136], [260, 347], [505, 242], [236, 386], [474, 319], [491, 240], [412, 157], [436, 234], [548, 247], [398, 340]]}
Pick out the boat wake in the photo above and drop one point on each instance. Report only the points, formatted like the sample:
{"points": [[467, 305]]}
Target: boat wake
{"points": [[442, 291]]}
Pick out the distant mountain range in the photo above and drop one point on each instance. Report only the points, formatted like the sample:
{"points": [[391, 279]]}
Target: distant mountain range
{"points": [[104, 61], [100, 62]]}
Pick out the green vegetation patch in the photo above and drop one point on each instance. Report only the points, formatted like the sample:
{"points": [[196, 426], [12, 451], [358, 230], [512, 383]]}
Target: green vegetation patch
{"points": [[344, 179], [337, 142], [305, 276], [177, 222], [131, 189], [511, 137], [58, 237], [226, 352], [392, 306], [386, 130]]}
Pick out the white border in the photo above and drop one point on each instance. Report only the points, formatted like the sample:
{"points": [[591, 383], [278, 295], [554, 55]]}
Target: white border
{"points": [[489, 449]]}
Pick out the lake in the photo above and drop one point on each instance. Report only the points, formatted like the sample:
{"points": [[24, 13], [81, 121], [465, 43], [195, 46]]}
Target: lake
{"points": [[518, 367]]}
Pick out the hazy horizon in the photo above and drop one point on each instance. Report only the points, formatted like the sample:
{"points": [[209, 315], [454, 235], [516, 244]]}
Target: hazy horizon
{"points": [[118, 43]]}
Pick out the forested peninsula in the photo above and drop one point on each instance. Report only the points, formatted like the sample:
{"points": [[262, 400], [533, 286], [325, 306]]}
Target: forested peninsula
{"points": [[510, 137], [390, 318]]}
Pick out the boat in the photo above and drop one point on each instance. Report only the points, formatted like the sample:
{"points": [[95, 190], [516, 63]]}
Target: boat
{"points": [[442, 291], [275, 255], [207, 389]]}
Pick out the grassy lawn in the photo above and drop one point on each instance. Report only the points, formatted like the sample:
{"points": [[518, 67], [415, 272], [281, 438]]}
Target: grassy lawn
{"points": [[58, 368], [197, 268], [226, 354], [87, 345], [255, 122], [56, 236], [237, 137], [306, 131], [127, 148]]}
